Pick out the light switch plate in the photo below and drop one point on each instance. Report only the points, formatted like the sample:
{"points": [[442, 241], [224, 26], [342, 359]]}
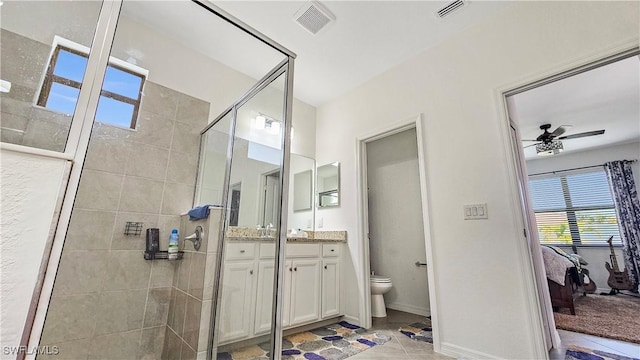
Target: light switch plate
{"points": [[475, 212]]}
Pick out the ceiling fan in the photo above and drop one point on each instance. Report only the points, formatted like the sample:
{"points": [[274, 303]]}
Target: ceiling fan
{"points": [[548, 143]]}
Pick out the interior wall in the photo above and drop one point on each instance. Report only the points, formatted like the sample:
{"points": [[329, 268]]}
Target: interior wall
{"points": [[595, 256], [480, 277], [31, 188]]}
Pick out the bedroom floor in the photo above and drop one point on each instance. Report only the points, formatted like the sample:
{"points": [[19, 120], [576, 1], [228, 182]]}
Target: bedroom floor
{"points": [[593, 342]]}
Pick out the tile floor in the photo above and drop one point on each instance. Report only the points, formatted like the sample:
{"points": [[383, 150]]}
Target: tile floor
{"points": [[593, 342], [400, 347]]}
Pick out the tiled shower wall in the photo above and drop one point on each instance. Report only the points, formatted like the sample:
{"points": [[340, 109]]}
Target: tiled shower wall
{"points": [[22, 62], [108, 302], [192, 291]]}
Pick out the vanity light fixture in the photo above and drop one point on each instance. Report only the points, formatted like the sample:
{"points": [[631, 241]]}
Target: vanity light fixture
{"points": [[549, 148], [267, 123]]}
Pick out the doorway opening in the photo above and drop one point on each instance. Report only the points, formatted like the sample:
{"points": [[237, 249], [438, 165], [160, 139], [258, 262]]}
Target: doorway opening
{"points": [[569, 131], [396, 243]]}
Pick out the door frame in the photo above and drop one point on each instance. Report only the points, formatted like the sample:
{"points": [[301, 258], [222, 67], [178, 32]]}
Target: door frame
{"points": [[520, 200], [415, 122]]}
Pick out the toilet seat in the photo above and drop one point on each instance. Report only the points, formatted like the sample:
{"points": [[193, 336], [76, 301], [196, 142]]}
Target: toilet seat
{"points": [[380, 279]]}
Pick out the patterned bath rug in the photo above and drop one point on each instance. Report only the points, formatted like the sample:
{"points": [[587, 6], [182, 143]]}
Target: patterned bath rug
{"points": [[333, 342], [420, 331], [581, 353]]}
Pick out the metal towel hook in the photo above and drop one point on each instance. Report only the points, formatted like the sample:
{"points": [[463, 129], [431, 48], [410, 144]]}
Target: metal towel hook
{"points": [[196, 237]]}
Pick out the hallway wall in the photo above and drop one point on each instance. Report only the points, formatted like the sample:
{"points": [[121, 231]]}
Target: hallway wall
{"points": [[486, 306]]}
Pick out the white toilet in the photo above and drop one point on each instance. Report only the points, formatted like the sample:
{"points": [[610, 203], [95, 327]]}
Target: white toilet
{"points": [[379, 286]]}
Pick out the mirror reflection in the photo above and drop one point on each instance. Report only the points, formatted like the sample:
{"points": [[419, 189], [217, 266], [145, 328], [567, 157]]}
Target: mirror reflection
{"points": [[328, 185], [301, 179]]}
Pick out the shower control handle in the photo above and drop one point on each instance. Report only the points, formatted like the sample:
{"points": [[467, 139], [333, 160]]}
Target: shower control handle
{"points": [[418, 263], [295, 269], [325, 267], [250, 272]]}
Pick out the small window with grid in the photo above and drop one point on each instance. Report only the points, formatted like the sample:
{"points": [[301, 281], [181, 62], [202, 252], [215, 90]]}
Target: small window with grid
{"points": [[574, 209], [121, 89]]}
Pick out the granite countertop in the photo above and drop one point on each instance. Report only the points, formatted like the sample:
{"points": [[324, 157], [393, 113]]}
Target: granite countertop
{"points": [[249, 234]]}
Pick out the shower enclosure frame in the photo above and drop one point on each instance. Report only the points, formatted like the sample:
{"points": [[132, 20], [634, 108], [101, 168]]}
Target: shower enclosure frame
{"points": [[76, 151]]}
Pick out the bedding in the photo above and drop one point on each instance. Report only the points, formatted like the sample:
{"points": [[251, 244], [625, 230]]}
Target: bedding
{"points": [[555, 265]]}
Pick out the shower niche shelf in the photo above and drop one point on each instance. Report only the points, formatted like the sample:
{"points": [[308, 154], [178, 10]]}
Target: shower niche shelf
{"points": [[161, 255]]}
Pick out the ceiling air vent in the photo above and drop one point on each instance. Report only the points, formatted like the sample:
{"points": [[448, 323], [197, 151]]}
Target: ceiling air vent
{"points": [[449, 8], [314, 17]]}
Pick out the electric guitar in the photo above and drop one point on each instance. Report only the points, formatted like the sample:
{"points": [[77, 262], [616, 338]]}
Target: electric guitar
{"points": [[618, 280]]}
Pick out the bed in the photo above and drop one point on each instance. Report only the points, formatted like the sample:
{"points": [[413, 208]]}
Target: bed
{"points": [[565, 276]]}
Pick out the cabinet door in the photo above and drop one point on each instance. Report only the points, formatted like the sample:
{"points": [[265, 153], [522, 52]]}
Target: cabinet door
{"points": [[286, 296], [305, 291], [330, 288], [236, 299], [264, 297]]}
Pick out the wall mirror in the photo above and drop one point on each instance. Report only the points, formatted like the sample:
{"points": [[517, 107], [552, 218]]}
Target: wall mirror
{"points": [[301, 184], [328, 185]]}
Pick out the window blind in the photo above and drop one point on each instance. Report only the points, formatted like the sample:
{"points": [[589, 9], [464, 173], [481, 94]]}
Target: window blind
{"points": [[574, 208]]}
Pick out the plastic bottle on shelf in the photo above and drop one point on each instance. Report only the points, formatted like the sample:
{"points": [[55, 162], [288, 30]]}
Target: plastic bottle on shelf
{"points": [[173, 245]]}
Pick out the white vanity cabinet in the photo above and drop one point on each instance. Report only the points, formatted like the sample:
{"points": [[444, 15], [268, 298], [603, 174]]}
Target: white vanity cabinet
{"points": [[311, 287]]}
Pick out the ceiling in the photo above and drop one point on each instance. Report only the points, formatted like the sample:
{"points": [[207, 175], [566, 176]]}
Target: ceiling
{"points": [[606, 98], [367, 38]]}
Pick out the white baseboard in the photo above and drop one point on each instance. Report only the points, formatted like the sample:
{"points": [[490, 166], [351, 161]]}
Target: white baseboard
{"points": [[410, 309], [461, 353]]}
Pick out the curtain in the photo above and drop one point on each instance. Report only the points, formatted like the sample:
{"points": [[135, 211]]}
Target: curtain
{"points": [[625, 198]]}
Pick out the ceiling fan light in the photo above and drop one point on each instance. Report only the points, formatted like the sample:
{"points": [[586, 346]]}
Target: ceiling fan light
{"points": [[549, 148]]}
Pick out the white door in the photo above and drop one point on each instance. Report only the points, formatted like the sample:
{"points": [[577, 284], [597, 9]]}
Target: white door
{"points": [[396, 231], [237, 295], [330, 288], [264, 298], [305, 291]]}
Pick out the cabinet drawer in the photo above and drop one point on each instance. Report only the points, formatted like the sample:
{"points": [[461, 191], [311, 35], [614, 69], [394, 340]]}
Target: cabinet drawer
{"points": [[330, 250], [267, 251], [241, 251], [302, 250]]}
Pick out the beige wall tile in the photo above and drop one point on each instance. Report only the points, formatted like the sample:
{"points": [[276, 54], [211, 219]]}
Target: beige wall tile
{"points": [[152, 343], [187, 352], [107, 154], [196, 276], [70, 318], [120, 311], [90, 230], [172, 308], [192, 111], [172, 346], [11, 136], [46, 135], [98, 190], [205, 324], [121, 241], [127, 270], [70, 350], [157, 309], [192, 322], [181, 276], [147, 161], [153, 129], [162, 273], [22, 59], [141, 195], [159, 100], [177, 198], [16, 122], [186, 138], [182, 168], [210, 270], [20, 107], [81, 272], [179, 312], [120, 346]]}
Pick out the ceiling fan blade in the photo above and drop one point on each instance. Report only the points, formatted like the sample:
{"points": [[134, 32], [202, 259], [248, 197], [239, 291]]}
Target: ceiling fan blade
{"points": [[561, 130], [583, 134]]}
